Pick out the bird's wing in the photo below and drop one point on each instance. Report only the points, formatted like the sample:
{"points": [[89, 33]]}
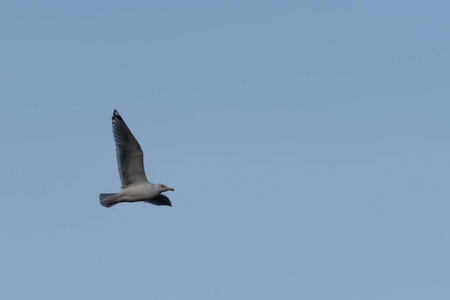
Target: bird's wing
{"points": [[130, 157], [160, 200]]}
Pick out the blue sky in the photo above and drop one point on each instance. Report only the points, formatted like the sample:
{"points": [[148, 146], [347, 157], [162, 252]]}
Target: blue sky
{"points": [[307, 142]]}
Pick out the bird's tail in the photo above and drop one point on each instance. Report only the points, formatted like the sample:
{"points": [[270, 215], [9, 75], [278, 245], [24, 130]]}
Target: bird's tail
{"points": [[107, 200]]}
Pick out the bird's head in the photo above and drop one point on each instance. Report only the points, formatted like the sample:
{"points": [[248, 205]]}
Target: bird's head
{"points": [[163, 188]]}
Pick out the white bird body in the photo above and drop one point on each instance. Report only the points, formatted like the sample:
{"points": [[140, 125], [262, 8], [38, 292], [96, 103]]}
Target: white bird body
{"points": [[138, 192]]}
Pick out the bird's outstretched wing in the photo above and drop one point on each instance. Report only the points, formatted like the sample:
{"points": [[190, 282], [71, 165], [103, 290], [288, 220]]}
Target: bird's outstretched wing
{"points": [[130, 157], [160, 200]]}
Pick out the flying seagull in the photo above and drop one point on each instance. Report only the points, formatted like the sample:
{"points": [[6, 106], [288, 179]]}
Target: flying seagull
{"points": [[130, 159]]}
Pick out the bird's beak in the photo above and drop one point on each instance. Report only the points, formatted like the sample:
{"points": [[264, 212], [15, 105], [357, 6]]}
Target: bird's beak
{"points": [[170, 189]]}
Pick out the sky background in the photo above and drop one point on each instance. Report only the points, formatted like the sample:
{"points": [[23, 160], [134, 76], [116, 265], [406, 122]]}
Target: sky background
{"points": [[307, 142]]}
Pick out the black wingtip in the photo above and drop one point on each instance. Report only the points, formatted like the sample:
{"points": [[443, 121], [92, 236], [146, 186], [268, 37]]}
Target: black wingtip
{"points": [[116, 115]]}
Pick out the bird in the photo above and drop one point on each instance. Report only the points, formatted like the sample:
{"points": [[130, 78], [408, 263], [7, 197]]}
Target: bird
{"points": [[130, 160]]}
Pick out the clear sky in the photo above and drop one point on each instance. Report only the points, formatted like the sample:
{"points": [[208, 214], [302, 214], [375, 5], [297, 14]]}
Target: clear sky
{"points": [[307, 142]]}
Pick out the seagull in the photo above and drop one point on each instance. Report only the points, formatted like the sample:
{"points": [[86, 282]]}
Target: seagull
{"points": [[130, 159]]}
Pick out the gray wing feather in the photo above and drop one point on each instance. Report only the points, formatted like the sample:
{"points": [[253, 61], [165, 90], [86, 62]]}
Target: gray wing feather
{"points": [[160, 200], [130, 158]]}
